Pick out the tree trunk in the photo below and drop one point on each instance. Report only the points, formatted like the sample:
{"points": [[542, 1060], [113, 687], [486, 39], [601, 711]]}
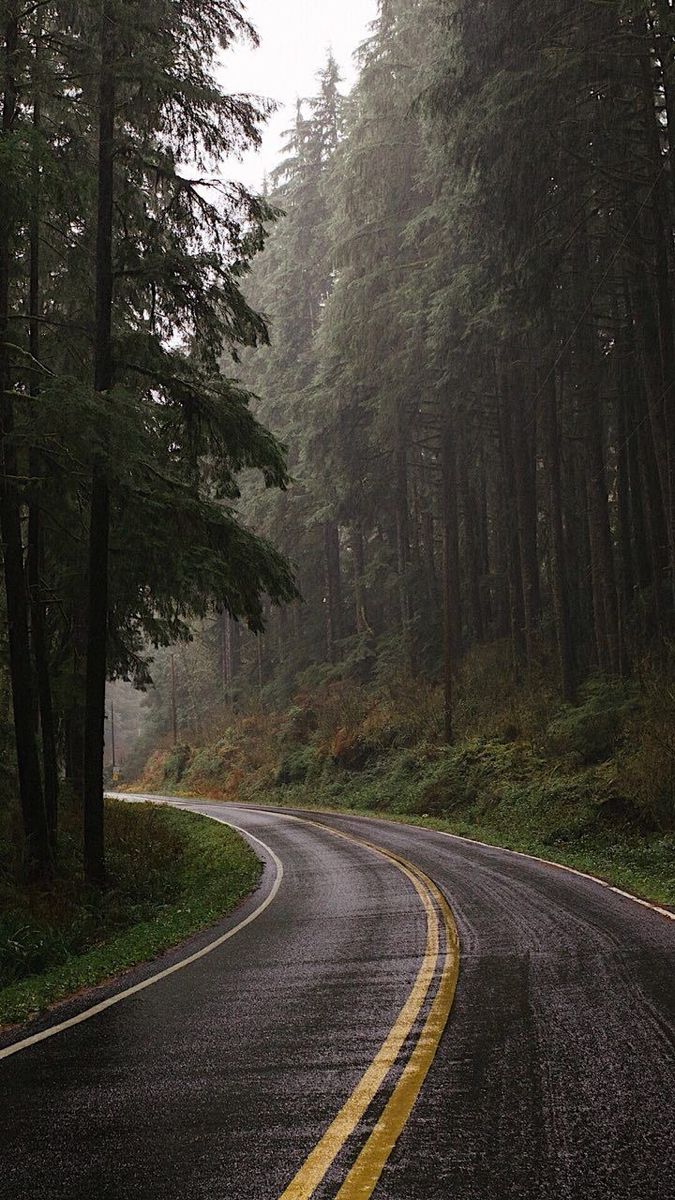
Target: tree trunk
{"points": [[655, 523], [498, 551], [524, 464], [508, 520], [430, 571], [360, 594], [74, 718], [472, 552], [35, 523], [99, 528], [559, 572], [605, 605], [235, 649], [226, 654], [644, 570], [663, 402], [623, 503], [283, 639], [452, 618], [647, 515], [578, 545], [403, 538], [42, 675], [334, 632], [74, 752], [37, 847], [260, 660], [483, 542], [636, 416]]}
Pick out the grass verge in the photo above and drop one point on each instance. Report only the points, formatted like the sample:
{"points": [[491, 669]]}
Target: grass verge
{"points": [[644, 866], [172, 874]]}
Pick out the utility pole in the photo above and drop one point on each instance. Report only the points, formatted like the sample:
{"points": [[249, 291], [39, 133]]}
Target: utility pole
{"points": [[227, 672], [259, 648], [174, 720], [225, 653]]}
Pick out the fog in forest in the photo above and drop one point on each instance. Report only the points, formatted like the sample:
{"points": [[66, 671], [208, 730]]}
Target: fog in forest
{"points": [[337, 615], [338, 440]]}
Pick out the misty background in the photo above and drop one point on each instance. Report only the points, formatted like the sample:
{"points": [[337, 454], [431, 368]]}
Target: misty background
{"points": [[295, 38]]}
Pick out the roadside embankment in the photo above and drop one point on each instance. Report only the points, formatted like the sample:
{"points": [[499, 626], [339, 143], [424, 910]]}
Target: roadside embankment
{"points": [[589, 785]]}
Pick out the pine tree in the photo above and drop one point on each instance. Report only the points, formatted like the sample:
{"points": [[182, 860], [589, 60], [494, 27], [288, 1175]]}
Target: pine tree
{"points": [[136, 430]]}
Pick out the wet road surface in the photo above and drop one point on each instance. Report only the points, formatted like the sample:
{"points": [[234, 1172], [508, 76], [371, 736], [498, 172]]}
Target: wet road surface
{"points": [[555, 1076]]}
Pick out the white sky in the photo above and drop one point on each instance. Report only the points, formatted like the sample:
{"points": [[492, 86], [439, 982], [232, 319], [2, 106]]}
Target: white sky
{"points": [[295, 37]]}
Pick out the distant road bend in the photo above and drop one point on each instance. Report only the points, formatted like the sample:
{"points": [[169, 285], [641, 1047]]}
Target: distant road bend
{"points": [[318, 1043]]}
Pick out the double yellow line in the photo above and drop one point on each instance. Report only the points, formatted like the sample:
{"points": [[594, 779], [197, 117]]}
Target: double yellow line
{"points": [[362, 1178]]}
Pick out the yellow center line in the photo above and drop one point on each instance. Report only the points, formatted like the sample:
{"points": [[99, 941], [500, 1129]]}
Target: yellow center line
{"points": [[315, 1166], [363, 1178], [341, 1128]]}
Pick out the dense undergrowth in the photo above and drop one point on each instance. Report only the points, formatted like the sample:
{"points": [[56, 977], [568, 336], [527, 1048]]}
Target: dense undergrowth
{"points": [[171, 873], [591, 784]]}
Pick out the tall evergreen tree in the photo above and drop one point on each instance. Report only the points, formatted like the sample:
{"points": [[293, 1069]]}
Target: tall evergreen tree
{"points": [[135, 428]]}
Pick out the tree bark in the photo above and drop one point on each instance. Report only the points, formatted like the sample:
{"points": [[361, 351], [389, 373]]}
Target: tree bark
{"points": [[524, 465], [623, 505], [226, 654], [37, 848], [452, 617], [403, 538], [99, 528], [235, 649], [42, 672], [472, 550], [508, 520], [35, 522], [647, 513], [559, 571], [655, 524], [663, 400], [602, 558], [483, 542], [334, 631], [360, 594]]}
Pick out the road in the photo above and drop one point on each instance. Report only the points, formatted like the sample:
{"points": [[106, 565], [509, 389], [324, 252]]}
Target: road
{"points": [[311, 1052]]}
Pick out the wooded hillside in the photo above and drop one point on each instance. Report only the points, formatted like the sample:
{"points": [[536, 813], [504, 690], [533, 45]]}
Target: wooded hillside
{"points": [[470, 300], [122, 427], [466, 269]]}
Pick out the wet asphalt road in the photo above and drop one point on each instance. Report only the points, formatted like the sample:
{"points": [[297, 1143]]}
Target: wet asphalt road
{"points": [[555, 1076]]}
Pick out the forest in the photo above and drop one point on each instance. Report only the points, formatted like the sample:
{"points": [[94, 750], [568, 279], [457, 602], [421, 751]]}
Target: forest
{"points": [[337, 612], [396, 435], [470, 303]]}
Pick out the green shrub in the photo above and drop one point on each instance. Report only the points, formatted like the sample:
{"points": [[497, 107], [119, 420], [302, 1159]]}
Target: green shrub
{"points": [[170, 873], [213, 762], [592, 729], [296, 767], [299, 723], [353, 753], [648, 764], [177, 762]]}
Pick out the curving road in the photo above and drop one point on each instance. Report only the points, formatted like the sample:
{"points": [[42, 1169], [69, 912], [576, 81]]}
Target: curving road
{"points": [[308, 1054]]}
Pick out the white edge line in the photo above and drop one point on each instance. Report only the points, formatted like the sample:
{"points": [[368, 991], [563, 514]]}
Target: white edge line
{"points": [[550, 863], [185, 962], [458, 837]]}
